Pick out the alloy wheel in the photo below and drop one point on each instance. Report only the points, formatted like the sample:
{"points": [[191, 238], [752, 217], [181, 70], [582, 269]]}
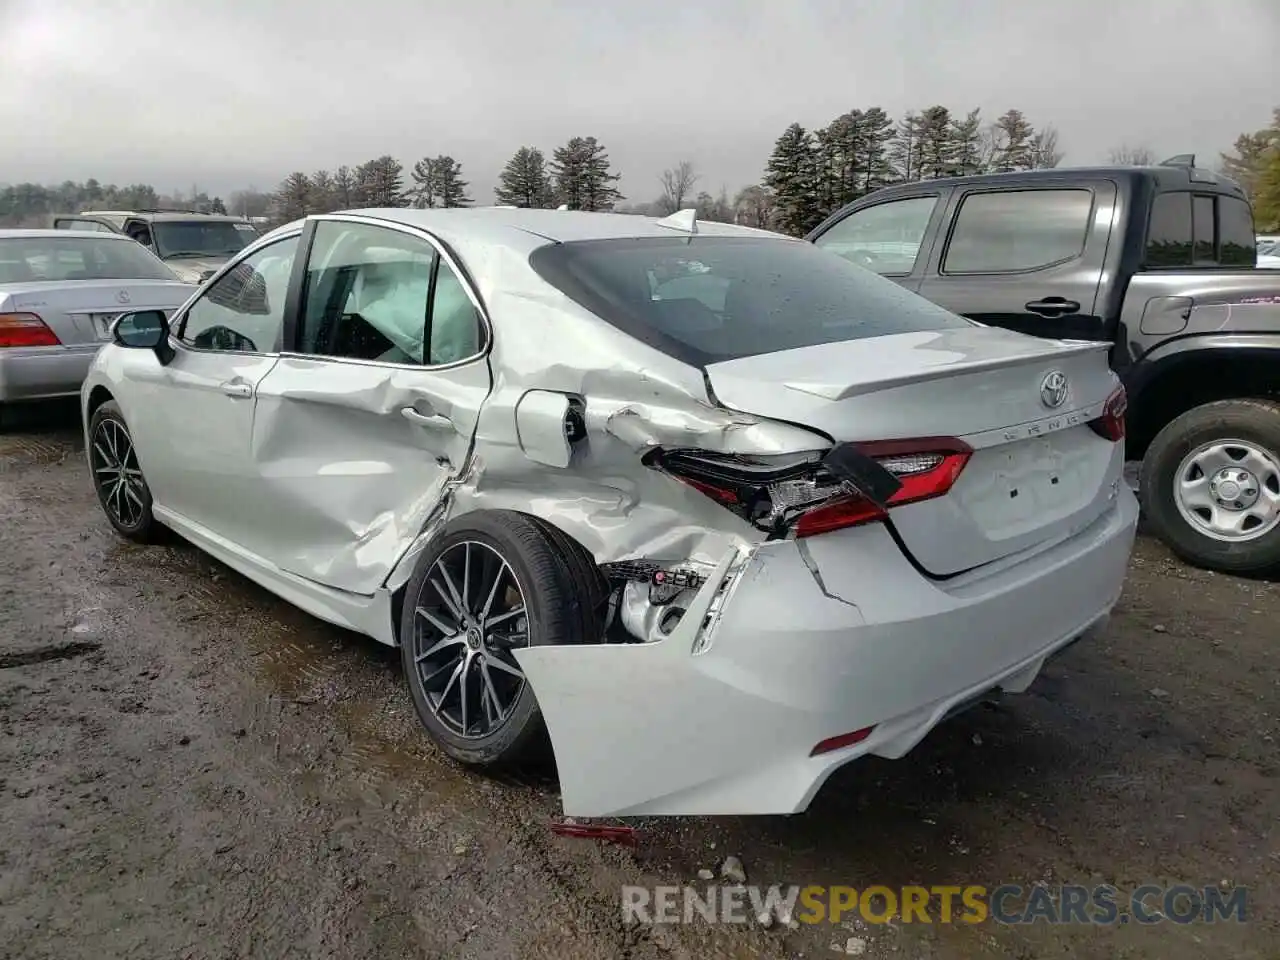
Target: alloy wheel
{"points": [[469, 615], [116, 473]]}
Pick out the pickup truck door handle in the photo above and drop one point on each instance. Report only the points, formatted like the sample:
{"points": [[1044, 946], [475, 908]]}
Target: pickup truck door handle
{"points": [[425, 419], [237, 388], [1053, 307]]}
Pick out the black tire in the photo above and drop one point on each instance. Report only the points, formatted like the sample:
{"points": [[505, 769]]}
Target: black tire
{"points": [[128, 508], [1254, 421], [562, 596]]}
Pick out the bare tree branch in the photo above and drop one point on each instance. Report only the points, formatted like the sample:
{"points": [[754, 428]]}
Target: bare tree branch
{"points": [[677, 183], [1132, 156]]}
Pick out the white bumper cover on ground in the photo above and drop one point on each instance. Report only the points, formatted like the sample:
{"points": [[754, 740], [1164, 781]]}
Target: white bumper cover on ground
{"points": [[816, 639]]}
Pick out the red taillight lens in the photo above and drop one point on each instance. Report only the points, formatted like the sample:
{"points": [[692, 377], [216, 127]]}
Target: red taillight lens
{"points": [[797, 493], [25, 330], [1111, 423]]}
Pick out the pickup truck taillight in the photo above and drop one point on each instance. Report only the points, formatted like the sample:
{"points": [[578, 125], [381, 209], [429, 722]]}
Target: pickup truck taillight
{"points": [[1111, 423], [796, 494], [25, 330]]}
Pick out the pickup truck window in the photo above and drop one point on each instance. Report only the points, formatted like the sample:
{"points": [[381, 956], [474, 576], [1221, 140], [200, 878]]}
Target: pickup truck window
{"points": [[1013, 231], [1204, 230], [885, 238]]}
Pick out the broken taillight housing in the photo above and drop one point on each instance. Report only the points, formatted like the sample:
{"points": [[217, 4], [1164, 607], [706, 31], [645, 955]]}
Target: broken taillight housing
{"points": [[25, 330], [1111, 423], [797, 494]]}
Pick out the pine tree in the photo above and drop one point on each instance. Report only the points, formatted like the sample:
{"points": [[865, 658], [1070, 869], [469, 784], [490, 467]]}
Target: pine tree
{"points": [[583, 176], [424, 186], [217, 206], [451, 189], [937, 143], [874, 162], [1014, 137], [381, 183], [905, 153], [839, 148], [792, 175], [966, 137], [292, 199], [524, 181]]}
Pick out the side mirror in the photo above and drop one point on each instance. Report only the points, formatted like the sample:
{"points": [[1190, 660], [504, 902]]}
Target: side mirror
{"points": [[142, 329]]}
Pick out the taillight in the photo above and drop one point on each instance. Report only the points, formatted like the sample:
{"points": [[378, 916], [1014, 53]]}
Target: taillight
{"points": [[1111, 423], [798, 494], [25, 330]]}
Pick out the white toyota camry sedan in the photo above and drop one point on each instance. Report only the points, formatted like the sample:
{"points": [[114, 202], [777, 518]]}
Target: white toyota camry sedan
{"points": [[713, 509]]}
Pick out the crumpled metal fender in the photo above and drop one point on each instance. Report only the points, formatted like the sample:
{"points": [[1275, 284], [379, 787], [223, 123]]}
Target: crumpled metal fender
{"points": [[632, 398]]}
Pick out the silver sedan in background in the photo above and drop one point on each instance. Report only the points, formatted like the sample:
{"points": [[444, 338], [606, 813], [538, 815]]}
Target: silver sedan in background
{"points": [[59, 292]]}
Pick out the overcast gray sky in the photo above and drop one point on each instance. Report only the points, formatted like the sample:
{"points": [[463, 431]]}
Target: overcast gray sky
{"points": [[225, 93]]}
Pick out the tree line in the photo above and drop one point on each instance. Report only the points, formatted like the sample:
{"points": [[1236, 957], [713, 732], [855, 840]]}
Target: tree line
{"points": [[809, 173], [1254, 163]]}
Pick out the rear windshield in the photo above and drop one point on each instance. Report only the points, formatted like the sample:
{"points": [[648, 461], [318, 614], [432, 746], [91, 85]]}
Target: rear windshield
{"points": [[708, 299], [25, 259]]}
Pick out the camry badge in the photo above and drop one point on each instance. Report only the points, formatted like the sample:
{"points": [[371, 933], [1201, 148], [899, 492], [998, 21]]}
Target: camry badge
{"points": [[1053, 389]]}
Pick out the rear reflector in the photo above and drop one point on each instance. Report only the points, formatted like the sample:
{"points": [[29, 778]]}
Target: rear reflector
{"points": [[1111, 423], [25, 330], [842, 741]]}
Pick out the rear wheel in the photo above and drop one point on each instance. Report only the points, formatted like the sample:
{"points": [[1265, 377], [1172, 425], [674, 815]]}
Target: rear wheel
{"points": [[117, 476], [1211, 485], [493, 582]]}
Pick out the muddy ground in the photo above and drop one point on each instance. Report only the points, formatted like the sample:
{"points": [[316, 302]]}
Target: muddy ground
{"points": [[191, 768]]}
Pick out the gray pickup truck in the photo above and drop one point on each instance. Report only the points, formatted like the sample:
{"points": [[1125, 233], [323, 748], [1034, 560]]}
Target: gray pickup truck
{"points": [[1160, 262]]}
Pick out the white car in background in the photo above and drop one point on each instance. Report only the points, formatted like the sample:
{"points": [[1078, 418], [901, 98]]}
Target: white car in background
{"points": [[59, 292], [721, 509]]}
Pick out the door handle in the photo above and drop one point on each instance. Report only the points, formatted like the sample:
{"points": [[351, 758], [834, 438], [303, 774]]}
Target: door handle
{"points": [[1053, 307], [236, 388], [425, 419]]}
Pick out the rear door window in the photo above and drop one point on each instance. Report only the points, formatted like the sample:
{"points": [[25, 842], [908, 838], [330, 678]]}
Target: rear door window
{"points": [[1202, 230], [1237, 245], [706, 299], [1015, 231]]}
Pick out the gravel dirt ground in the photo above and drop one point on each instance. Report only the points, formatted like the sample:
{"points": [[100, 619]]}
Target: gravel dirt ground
{"points": [[191, 768]]}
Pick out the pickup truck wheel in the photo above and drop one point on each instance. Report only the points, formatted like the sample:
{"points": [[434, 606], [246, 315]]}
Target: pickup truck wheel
{"points": [[1211, 485]]}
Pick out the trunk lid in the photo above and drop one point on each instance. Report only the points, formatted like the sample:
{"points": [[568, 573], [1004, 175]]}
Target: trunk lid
{"points": [[80, 311], [1038, 472]]}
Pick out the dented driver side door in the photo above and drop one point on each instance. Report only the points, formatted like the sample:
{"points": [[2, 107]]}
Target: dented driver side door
{"points": [[372, 411]]}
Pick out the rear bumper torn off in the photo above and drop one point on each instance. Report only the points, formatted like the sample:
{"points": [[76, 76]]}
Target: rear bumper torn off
{"points": [[657, 729]]}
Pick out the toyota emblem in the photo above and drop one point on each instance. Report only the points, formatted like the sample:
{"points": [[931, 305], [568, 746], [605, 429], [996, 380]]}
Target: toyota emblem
{"points": [[1053, 389], [122, 296]]}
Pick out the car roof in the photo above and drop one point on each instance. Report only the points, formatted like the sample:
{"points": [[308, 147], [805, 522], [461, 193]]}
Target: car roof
{"points": [[526, 230], [1166, 178], [36, 233], [159, 215]]}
